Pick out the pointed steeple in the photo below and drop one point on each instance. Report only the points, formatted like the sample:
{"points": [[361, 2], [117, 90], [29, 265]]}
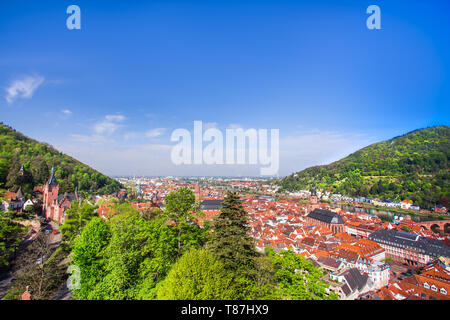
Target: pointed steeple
{"points": [[313, 190], [52, 181]]}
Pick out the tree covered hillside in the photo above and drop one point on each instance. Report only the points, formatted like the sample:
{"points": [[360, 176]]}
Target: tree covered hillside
{"points": [[38, 159], [414, 166]]}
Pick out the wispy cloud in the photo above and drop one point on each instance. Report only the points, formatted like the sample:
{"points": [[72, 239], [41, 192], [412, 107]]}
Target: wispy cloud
{"points": [[65, 114], [90, 139], [153, 133], [102, 130], [23, 88], [109, 124]]}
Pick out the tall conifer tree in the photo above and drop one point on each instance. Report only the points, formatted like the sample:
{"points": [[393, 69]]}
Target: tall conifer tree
{"points": [[231, 242]]}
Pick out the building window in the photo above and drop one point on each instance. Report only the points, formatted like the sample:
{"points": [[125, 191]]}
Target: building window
{"points": [[426, 285], [433, 287], [443, 291]]}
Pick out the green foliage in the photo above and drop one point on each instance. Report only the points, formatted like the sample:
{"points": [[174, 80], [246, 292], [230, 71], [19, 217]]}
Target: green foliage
{"points": [[298, 279], [11, 235], [88, 252], [137, 256], [413, 167], [230, 240], [180, 208], [197, 276], [17, 150], [140, 256], [388, 260], [76, 218], [232, 245], [405, 228]]}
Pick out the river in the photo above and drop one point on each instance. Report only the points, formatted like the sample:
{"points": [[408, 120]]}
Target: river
{"points": [[382, 214]]}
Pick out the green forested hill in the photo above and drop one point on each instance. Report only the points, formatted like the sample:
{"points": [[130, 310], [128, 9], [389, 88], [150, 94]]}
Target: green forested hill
{"points": [[414, 166], [38, 159]]}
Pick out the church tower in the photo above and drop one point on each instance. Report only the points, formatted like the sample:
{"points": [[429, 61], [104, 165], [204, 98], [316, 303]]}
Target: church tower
{"points": [[51, 189], [313, 197], [313, 200]]}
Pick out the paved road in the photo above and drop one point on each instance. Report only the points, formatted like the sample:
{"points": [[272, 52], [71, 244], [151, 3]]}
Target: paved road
{"points": [[55, 238]]}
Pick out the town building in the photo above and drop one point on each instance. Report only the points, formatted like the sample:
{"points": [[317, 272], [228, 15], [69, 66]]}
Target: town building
{"points": [[327, 219], [353, 283], [13, 201], [54, 204], [409, 248]]}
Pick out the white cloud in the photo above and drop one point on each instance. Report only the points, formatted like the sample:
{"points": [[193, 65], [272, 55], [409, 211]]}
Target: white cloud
{"points": [[65, 114], [109, 125], [102, 130], [153, 133], [92, 139], [23, 88], [115, 117]]}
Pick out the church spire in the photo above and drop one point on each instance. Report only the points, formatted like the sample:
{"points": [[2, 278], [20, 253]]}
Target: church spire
{"points": [[313, 190], [52, 181]]}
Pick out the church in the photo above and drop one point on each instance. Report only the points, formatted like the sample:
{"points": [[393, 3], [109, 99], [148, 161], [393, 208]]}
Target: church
{"points": [[54, 204], [321, 217], [325, 218]]}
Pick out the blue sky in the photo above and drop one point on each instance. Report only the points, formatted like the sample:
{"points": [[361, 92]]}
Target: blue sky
{"points": [[111, 93]]}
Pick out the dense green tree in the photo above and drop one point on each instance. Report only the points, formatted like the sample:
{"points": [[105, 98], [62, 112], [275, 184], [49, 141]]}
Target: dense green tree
{"points": [[88, 254], [232, 245], [3, 170], [197, 275], [298, 279], [231, 242], [76, 218], [11, 235], [138, 256], [180, 208]]}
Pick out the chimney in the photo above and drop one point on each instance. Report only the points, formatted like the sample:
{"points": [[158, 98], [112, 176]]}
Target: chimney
{"points": [[26, 295]]}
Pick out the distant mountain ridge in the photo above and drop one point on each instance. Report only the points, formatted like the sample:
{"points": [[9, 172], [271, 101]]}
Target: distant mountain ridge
{"points": [[27, 163], [413, 166]]}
